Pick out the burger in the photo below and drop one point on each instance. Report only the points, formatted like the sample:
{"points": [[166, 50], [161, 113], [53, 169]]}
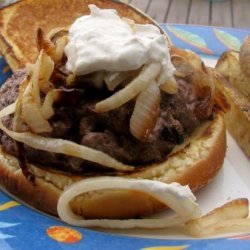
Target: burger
{"points": [[108, 97]]}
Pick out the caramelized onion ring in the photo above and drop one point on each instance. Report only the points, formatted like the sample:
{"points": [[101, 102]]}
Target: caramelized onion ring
{"points": [[141, 82], [31, 101], [50, 98], [54, 50], [146, 112], [179, 198], [169, 86], [32, 115], [114, 79]]}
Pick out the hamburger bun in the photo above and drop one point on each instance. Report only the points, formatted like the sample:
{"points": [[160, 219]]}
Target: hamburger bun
{"points": [[194, 162]]}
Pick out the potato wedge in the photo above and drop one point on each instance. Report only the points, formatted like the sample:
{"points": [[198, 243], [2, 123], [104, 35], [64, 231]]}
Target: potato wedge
{"points": [[238, 117], [245, 57], [229, 66]]}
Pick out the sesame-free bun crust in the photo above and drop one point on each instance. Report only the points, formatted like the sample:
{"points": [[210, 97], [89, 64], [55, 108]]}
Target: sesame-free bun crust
{"points": [[195, 165], [19, 23]]}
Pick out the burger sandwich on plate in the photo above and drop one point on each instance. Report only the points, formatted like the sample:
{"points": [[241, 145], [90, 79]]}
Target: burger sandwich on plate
{"points": [[103, 114]]}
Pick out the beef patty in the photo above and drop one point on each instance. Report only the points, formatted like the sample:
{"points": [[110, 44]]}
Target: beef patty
{"points": [[109, 131]]}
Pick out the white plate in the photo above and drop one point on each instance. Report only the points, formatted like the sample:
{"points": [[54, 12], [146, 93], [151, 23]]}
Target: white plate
{"points": [[233, 181]]}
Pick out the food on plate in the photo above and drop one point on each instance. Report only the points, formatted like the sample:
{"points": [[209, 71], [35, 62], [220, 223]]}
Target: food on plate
{"points": [[245, 58], [108, 98], [179, 198], [230, 217], [233, 79]]}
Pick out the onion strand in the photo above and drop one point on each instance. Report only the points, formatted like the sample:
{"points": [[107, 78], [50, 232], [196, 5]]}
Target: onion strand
{"points": [[146, 112], [114, 79], [179, 198], [47, 107], [32, 114], [141, 82]]}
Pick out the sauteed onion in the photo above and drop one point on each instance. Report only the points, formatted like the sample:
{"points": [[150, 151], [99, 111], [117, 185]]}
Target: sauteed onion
{"points": [[179, 198], [141, 82], [54, 50], [31, 113], [31, 101], [114, 79], [146, 112], [233, 216], [50, 98]]}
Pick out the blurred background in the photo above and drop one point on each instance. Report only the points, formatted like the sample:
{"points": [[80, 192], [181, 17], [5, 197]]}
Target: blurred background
{"points": [[225, 13]]}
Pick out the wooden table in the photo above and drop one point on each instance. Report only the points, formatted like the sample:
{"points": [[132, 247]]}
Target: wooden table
{"points": [[227, 13]]}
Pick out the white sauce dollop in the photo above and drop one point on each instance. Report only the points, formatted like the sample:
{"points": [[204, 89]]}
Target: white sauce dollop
{"points": [[103, 41]]}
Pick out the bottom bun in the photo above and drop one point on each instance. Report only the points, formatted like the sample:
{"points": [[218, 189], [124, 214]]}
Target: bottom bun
{"points": [[194, 165]]}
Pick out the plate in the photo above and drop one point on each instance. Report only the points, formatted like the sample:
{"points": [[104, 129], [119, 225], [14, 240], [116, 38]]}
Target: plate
{"points": [[22, 227]]}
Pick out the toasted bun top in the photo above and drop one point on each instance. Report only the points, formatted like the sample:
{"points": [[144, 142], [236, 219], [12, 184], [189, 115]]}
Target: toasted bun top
{"points": [[19, 23]]}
